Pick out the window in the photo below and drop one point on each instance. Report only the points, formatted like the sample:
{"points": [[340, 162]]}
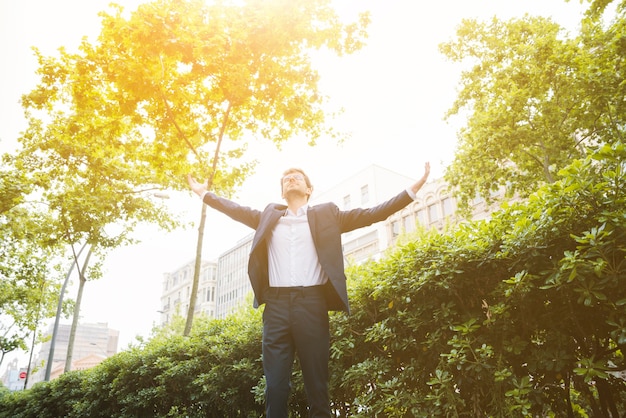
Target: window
{"points": [[421, 217], [408, 224], [365, 194], [433, 213], [447, 207], [346, 203], [395, 228]]}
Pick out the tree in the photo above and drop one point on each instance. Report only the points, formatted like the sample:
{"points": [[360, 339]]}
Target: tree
{"points": [[603, 83], [535, 99], [206, 79], [28, 280], [82, 165], [597, 7], [128, 115]]}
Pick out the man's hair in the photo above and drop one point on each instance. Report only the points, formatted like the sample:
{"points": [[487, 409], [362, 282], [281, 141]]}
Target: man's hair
{"points": [[295, 170]]}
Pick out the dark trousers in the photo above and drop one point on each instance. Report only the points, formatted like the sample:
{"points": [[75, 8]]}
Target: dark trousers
{"points": [[295, 321]]}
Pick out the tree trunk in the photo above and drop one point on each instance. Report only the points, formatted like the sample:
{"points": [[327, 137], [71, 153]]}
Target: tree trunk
{"points": [[79, 297], [196, 273], [58, 316], [198, 264]]}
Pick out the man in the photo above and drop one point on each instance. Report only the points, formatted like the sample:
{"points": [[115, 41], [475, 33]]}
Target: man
{"points": [[296, 270]]}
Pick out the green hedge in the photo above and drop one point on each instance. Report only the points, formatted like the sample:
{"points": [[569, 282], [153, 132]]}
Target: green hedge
{"points": [[521, 315]]}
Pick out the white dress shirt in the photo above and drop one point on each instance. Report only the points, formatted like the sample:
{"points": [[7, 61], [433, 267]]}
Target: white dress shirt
{"points": [[291, 252]]}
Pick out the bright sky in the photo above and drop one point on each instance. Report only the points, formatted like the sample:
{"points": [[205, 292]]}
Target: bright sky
{"points": [[394, 92]]}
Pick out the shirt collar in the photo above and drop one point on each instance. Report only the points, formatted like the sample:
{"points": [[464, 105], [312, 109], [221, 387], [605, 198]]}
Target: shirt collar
{"points": [[301, 211]]}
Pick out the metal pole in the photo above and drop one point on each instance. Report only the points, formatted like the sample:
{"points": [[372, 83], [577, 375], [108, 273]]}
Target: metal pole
{"points": [[58, 316], [30, 357], [79, 297]]}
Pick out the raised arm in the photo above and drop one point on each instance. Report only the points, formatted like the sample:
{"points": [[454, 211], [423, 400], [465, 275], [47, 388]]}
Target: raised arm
{"points": [[357, 218], [418, 184], [197, 187], [237, 212]]}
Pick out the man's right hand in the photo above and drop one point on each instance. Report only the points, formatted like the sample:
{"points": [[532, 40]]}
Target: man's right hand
{"points": [[197, 187]]}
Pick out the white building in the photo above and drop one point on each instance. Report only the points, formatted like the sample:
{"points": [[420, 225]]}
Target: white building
{"points": [[92, 344], [14, 377], [434, 208], [233, 284], [176, 292], [367, 188]]}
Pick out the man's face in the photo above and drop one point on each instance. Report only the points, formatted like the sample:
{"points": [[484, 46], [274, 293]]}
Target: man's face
{"points": [[294, 184]]}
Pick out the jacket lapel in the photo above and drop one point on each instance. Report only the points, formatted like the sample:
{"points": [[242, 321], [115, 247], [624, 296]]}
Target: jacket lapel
{"points": [[268, 219], [312, 217]]}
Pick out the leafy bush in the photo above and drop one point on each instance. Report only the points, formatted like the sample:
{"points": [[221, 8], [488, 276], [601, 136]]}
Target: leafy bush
{"points": [[519, 315]]}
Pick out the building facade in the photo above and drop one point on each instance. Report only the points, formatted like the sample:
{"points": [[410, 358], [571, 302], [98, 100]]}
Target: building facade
{"points": [[14, 377], [233, 285], [366, 188], [92, 344], [434, 207], [176, 293]]}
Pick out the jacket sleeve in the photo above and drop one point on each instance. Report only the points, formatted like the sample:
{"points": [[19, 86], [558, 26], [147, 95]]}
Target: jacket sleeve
{"points": [[246, 215], [359, 218]]}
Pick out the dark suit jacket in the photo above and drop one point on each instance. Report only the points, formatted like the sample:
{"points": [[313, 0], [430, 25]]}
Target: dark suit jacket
{"points": [[327, 223]]}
